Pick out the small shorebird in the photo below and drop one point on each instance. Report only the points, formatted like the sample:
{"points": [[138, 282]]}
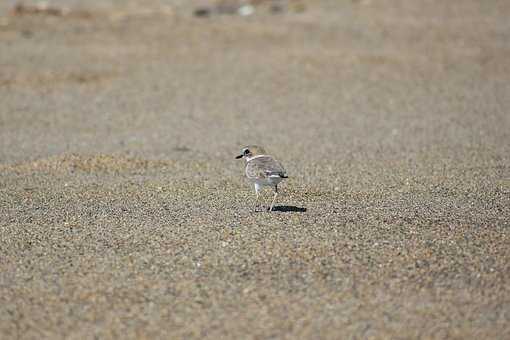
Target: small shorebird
{"points": [[262, 170]]}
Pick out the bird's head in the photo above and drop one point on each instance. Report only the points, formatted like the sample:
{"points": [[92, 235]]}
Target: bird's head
{"points": [[251, 151]]}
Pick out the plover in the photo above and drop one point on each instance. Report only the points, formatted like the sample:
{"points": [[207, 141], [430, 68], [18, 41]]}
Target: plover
{"points": [[262, 170]]}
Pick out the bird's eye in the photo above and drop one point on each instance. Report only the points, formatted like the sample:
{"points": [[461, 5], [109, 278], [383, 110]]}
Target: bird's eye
{"points": [[246, 151]]}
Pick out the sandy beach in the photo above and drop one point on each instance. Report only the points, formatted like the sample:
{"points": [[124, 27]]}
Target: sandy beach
{"points": [[123, 213]]}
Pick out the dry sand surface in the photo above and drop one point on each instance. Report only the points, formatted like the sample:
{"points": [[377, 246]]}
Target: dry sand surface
{"points": [[123, 213]]}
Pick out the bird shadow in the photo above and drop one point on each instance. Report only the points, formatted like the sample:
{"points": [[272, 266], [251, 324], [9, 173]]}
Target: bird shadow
{"points": [[289, 208]]}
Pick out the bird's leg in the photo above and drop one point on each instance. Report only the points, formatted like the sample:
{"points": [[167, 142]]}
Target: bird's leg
{"points": [[274, 197], [257, 198]]}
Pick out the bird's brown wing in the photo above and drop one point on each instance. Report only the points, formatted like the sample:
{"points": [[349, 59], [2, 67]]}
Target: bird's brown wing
{"points": [[263, 167]]}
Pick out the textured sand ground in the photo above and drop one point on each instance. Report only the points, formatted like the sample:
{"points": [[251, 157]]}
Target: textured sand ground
{"points": [[124, 214]]}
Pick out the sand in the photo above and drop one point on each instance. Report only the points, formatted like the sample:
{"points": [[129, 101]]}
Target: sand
{"points": [[123, 213]]}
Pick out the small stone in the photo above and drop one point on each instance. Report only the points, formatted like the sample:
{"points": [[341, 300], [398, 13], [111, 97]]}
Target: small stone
{"points": [[246, 10], [202, 12]]}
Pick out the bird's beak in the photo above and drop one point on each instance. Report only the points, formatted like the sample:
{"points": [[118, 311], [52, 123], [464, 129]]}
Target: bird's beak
{"points": [[240, 156]]}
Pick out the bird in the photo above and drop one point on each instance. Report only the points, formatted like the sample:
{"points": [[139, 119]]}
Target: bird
{"points": [[262, 170]]}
